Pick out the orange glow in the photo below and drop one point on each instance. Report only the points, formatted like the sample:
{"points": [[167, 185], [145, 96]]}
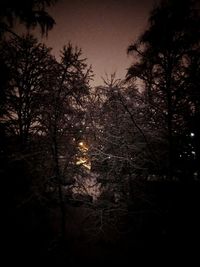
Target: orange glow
{"points": [[83, 147], [83, 160]]}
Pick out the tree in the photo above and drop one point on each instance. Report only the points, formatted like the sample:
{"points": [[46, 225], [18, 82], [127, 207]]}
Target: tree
{"points": [[62, 116], [43, 118], [31, 13], [22, 149], [162, 64], [27, 62], [119, 137]]}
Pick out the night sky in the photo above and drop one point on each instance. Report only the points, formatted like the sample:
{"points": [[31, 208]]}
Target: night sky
{"points": [[102, 29]]}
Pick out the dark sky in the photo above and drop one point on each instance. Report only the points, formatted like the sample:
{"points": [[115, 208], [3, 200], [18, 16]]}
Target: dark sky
{"points": [[102, 28]]}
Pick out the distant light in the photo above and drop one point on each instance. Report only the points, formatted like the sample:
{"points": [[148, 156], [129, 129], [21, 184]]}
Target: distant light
{"points": [[83, 147], [87, 165], [193, 153], [84, 162], [80, 161], [192, 134]]}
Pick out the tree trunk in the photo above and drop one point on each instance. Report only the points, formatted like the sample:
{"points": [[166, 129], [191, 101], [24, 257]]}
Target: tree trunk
{"points": [[169, 119], [60, 193]]}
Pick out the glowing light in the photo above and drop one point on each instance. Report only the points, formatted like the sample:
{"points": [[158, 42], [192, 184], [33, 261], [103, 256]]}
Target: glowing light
{"points": [[82, 146], [83, 160], [192, 134], [87, 165], [80, 161]]}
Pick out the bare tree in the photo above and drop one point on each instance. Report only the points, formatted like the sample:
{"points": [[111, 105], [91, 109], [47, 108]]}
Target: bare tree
{"points": [[62, 116], [28, 63]]}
